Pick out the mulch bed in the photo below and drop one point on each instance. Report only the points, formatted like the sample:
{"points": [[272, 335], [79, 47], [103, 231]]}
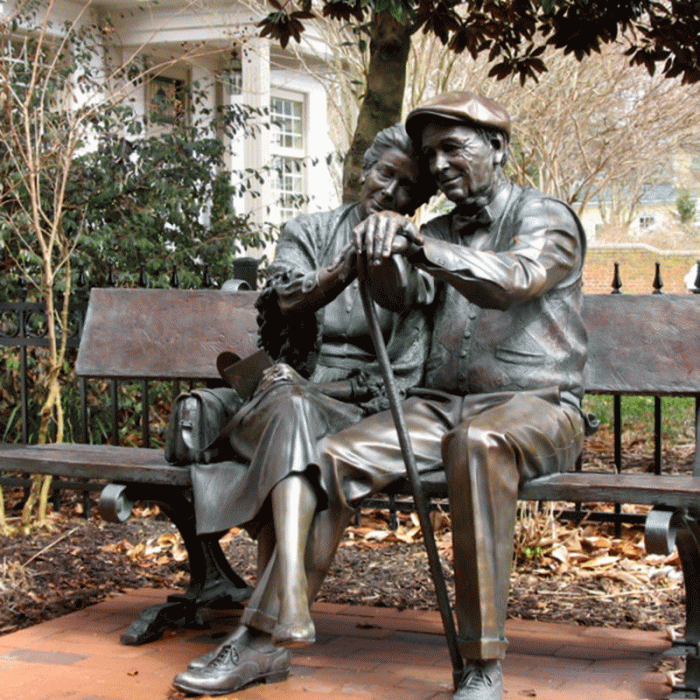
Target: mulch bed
{"points": [[596, 579]]}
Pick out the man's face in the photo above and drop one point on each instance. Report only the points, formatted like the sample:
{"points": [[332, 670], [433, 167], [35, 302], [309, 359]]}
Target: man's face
{"points": [[462, 163], [391, 183]]}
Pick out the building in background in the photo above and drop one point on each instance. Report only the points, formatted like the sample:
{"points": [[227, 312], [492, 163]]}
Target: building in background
{"points": [[236, 65], [216, 48]]}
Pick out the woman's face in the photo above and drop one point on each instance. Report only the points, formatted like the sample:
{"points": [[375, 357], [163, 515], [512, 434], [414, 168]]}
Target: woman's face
{"points": [[391, 183]]}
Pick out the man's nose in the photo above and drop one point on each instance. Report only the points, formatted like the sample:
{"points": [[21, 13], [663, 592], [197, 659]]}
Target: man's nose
{"points": [[438, 162]]}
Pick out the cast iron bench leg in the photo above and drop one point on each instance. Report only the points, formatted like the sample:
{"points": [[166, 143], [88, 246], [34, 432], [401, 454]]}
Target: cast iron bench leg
{"points": [[213, 583], [688, 543]]}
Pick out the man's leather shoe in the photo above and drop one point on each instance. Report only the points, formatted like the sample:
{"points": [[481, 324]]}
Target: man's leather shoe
{"points": [[204, 660], [481, 680], [238, 662]]}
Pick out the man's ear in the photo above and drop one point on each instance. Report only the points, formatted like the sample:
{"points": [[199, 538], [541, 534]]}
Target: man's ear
{"points": [[498, 143]]}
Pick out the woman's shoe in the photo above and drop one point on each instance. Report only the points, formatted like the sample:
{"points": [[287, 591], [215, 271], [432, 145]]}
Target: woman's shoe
{"points": [[299, 634], [238, 662]]}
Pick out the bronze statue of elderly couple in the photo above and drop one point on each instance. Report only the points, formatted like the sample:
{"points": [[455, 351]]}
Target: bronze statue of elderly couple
{"points": [[481, 313]]}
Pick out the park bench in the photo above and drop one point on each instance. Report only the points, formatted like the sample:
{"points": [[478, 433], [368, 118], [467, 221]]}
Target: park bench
{"points": [[147, 335], [638, 345]]}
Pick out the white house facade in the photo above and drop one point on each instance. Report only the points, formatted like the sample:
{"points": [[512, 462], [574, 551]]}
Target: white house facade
{"points": [[220, 48], [216, 46]]}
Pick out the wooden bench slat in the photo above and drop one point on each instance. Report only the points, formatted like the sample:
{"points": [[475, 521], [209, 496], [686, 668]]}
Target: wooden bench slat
{"points": [[678, 491], [104, 462]]}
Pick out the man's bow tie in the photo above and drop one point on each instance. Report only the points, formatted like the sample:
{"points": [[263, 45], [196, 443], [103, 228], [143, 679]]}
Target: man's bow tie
{"points": [[466, 224]]}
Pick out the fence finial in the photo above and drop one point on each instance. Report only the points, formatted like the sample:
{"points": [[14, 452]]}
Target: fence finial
{"points": [[658, 284], [206, 278], [616, 281], [143, 279], [111, 276]]}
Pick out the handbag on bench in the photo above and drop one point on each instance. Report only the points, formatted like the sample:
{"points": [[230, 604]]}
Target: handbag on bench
{"points": [[196, 423]]}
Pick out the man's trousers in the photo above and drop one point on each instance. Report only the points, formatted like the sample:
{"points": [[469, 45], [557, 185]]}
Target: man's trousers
{"points": [[489, 444]]}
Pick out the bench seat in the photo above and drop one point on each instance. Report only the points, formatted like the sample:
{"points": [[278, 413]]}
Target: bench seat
{"points": [[667, 491], [138, 465], [100, 462]]}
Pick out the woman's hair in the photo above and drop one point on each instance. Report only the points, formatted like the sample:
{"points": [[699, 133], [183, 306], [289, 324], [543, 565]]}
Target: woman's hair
{"points": [[397, 137], [391, 137]]}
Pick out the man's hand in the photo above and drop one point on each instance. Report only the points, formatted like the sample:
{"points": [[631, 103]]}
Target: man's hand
{"points": [[384, 234]]}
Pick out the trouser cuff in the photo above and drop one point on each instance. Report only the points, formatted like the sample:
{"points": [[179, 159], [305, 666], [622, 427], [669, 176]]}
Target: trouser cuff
{"points": [[258, 620], [482, 649]]}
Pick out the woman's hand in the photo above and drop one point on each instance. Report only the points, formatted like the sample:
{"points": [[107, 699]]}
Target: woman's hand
{"points": [[384, 234], [344, 267], [277, 374]]}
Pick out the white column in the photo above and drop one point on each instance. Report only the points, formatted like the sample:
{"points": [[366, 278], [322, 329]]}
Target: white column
{"points": [[255, 60], [207, 99], [320, 181]]}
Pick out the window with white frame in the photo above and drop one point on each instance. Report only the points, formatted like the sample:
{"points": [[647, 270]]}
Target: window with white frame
{"points": [[288, 151], [646, 222], [166, 103]]}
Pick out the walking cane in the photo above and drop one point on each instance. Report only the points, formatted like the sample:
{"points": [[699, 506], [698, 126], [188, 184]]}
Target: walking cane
{"points": [[413, 477]]}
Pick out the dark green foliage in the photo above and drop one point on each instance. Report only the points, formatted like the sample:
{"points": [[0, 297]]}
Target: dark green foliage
{"points": [[99, 407], [152, 192], [154, 202], [686, 207], [660, 35]]}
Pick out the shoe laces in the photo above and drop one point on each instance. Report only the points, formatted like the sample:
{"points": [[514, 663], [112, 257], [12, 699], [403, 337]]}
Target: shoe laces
{"points": [[228, 651], [475, 676]]}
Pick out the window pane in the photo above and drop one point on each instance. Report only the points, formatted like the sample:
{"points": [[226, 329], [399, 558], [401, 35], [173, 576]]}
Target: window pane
{"points": [[288, 187], [286, 119], [166, 101]]}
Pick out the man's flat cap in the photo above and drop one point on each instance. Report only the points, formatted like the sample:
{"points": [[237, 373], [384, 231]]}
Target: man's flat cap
{"points": [[458, 107]]}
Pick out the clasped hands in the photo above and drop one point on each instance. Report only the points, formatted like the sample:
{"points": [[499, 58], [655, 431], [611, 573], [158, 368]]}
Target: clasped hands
{"points": [[279, 372], [379, 236], [384, 234]]}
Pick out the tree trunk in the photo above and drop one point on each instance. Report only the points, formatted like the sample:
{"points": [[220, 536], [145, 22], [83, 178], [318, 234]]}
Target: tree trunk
{"points": [[386, 78], [35, 507]]}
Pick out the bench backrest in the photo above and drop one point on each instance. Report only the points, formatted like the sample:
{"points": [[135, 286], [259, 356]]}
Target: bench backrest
{"points": [[164, 333], [643, 344], [638, 344]]}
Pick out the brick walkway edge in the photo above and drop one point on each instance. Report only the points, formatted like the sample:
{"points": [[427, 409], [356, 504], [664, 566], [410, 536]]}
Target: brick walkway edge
{"points": [[361, 653]]}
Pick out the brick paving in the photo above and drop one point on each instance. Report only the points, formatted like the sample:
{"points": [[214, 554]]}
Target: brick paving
{"points": [[361, 653]]}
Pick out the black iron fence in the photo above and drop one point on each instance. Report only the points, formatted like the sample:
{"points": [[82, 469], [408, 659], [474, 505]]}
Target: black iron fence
{"points": [[110, 411], [141, 422]]}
